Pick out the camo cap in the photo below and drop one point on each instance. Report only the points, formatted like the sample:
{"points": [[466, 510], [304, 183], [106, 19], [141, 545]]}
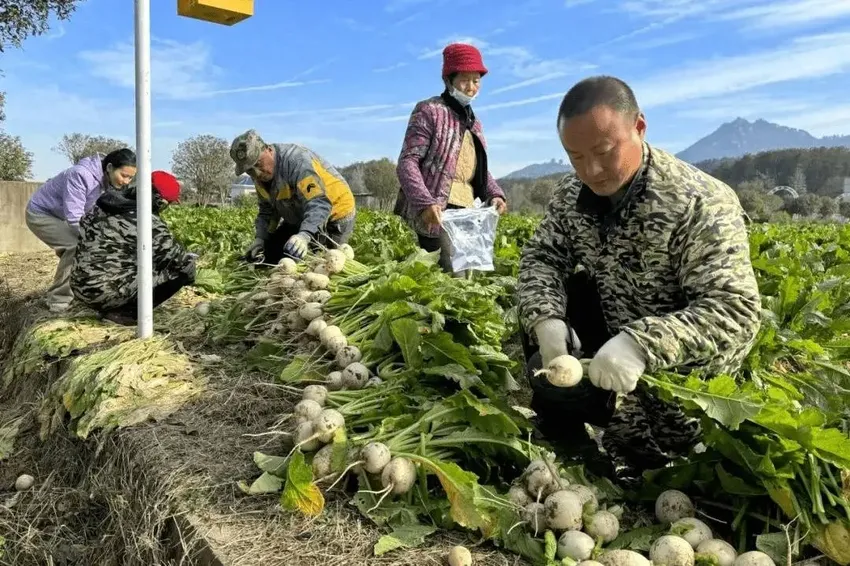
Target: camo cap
{"points": [[245, 150]]}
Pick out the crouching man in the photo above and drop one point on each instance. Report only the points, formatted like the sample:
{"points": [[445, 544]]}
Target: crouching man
{"points": [[641, 263], [105, 270]]}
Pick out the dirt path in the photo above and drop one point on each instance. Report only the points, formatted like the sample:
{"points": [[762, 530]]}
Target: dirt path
{"points": [[27, 274]]}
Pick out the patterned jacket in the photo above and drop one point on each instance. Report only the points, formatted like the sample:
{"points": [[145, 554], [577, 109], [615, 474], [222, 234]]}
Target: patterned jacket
{"points": [[671, 261], [428, 159], [105, 268], [306, 192]]}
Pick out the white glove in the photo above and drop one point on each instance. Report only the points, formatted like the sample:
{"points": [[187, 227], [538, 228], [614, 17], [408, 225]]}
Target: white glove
{"points": [[552, 336], [617, 365], [297, 245]]}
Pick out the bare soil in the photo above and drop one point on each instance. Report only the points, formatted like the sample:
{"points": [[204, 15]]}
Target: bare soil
{"points": [[127, 498]]}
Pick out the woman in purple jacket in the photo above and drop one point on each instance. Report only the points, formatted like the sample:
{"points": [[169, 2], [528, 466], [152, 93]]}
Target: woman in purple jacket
{"points": [[55, 210], [443, 162]]}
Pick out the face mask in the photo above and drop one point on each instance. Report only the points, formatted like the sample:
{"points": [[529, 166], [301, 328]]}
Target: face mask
{"points": [[464, 99]]}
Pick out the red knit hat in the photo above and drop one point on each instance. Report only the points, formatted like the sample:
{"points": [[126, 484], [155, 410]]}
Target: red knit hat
{"points": [[166, 185], [462, 58]]}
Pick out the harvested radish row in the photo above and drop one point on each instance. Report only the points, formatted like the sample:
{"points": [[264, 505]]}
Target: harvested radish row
{"points": [[754, 558], [518, 496], [374, 381], [335, 344], [316, 281], [335, 261], [576, 545], [347, 251], [348, 355], [323, 462], [335, 382], [670, 550], [535, 515], [310, 311], [203, 308], [287, 265], [538, 478], [305, 437], [322, 269], [315, 327], [621, 557], [320, 297], [327, 423], [589, 502]]}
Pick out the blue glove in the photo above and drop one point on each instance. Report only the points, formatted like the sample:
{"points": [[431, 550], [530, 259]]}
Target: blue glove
{"points": [[297, 245]]}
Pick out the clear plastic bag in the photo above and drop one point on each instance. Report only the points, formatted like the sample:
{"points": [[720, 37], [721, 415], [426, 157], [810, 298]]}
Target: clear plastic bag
{"points": [[471, 234]]}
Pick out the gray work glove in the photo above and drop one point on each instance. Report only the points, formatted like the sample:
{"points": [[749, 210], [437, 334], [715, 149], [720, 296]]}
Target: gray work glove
{"points": [[254, 250]]}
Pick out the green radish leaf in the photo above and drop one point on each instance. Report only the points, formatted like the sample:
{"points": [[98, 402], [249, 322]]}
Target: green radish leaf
{"points": [[272, 464], [266, 483], [300, 493], [405, 536], [405, 331], [442, 350], [455, 372], [300, 369]]}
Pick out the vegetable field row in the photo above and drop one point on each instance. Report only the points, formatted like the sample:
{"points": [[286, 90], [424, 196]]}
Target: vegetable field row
{"points": [[403, 403]]}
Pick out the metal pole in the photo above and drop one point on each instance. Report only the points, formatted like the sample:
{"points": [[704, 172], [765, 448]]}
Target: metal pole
{"points": [[143, 174]]}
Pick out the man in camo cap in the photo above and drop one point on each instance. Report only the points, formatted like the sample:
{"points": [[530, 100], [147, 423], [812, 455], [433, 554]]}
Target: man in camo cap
{"points": [[642, 262], [303, 199]]}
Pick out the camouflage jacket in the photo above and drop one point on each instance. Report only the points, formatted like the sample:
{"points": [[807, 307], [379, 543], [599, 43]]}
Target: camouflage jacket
{"points": [[671, 261], [306, 191], [104, 274]]}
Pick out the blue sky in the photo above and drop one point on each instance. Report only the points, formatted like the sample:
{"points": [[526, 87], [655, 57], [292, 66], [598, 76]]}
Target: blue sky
{"points": [[342, 76]]}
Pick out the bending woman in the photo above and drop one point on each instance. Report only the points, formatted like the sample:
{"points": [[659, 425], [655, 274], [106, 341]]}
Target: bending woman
{"points": [[443, 162], [55, 210], [104, 275]]}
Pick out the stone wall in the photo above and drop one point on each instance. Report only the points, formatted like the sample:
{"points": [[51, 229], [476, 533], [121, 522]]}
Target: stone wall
{"points": [[15, 237]]}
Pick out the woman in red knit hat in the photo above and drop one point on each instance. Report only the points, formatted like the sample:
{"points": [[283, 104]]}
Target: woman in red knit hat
{"points": [[104, 275], [443, 161]]}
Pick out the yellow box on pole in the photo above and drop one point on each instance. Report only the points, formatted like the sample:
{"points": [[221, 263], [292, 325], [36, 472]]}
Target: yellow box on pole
{"points": [[226, 12]]}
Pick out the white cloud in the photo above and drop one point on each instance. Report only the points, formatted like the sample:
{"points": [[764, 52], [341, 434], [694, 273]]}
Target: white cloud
{"points": [[389, 68], [790, 13], [178, 71], [822, 121], [803, 58], [725, 108]]}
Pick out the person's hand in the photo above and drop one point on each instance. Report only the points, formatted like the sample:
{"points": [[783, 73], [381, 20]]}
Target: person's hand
{"points": [[500, 204], [433, 215], [297, 245], [253, 251], [618, 365]]}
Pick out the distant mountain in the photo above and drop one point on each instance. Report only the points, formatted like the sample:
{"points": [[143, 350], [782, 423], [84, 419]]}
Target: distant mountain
{"points": [[740, 137], [537, 170]]}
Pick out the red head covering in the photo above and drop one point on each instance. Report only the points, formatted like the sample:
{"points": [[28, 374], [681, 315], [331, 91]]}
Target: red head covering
{"points": [[166, 185], [462, 58]]}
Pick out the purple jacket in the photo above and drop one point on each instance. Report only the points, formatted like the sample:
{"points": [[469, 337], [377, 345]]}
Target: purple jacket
{"points": [[428, 159], [71, 193]]}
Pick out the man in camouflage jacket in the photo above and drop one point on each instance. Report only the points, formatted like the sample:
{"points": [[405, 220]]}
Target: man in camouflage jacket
{"points": [[105, 270], [642, 262]]}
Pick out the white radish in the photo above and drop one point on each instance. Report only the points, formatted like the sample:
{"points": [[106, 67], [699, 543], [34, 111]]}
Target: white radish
{"points": [[315, 327], [202, 308], [535, 515], [320, 297], [375, 456], [590, 563], [589, 502], [261, 296], [300, 285], [537, 480], [301, 296], [399, 475], [754, 558], [323, 462], [287, 265], [576, 545], [24, 482], [335, 344], [460, 556], [692, 530], [329, 332], [355, 376], [518, 496], [317, 393], [622, 557], [673, 505], [327, 423], [335, 261], [374, 381], [307, 410], [670, 550], [335, 381], [316, 281], [310, 311], [604, 525], [348, 355], [616, 510], [295, 322], [563, 511], [723, 552], [305, 437], [347, 250], [322, 269], [563, 371]]}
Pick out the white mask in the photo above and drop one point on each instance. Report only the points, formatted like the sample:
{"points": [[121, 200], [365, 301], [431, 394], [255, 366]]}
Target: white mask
{"points": [[464, 99]]}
